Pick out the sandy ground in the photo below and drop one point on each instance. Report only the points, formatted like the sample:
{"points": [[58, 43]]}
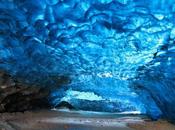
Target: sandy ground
{"points": [[66, 120]]}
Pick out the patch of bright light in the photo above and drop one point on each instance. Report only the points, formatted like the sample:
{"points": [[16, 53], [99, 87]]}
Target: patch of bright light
{"points": [[72, 94]]}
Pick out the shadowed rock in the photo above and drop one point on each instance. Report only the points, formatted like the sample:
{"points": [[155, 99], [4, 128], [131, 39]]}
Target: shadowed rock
{"points": [[65, 104], [15, 96]]}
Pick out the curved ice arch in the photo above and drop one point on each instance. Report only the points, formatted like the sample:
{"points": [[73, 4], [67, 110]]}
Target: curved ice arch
{"points": [[100, 46]]}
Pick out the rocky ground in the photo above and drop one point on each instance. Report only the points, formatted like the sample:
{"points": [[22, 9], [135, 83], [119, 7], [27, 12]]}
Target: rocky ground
{"points": [[61, 120]]}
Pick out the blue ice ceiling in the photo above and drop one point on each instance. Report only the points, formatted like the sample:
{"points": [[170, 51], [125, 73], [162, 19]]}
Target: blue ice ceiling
{"points": [[99, 55]]}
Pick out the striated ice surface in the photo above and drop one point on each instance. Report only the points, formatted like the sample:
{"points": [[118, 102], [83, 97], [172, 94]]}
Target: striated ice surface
{"points": [[99, 55]]}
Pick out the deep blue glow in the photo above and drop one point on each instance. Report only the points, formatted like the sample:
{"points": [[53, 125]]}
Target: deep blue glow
{"points": [[118, 54]]}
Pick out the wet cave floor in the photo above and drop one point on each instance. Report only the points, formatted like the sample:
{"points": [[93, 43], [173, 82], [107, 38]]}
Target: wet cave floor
{"points": [[64, 119]]}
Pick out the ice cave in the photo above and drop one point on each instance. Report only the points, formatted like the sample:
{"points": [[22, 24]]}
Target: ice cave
{"points": [[115, 56]]}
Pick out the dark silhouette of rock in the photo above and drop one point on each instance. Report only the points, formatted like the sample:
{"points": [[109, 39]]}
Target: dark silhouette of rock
{"points": [[65, 104]]}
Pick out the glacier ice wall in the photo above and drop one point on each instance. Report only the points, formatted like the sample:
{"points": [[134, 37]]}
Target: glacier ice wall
{"points": [[105, 55]]}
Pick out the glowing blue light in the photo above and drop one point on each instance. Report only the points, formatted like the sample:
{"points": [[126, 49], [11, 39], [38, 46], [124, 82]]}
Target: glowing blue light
{"points": [[117, 54]]}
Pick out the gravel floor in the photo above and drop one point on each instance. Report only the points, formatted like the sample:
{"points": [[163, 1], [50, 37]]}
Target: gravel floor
{"points": [[66, 120]]}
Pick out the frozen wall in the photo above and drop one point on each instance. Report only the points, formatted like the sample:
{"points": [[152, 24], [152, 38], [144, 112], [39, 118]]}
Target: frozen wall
{"points": [[105, 55]]}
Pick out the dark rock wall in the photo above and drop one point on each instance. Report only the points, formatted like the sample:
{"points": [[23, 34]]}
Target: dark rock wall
{"points": [[17, 97]]}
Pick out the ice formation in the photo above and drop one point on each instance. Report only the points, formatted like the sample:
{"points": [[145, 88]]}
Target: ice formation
{"points": [[109, 55]]}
